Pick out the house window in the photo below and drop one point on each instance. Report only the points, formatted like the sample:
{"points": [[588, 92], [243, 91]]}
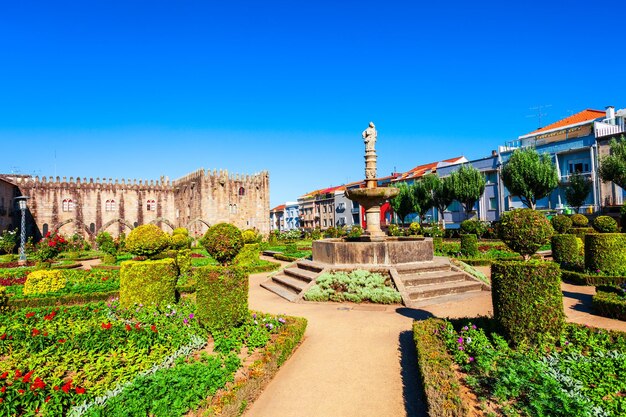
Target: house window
{"points": [[109, 205], [490, 178], [44, 229], [68, 204], [92, 227], [151, 205], [242, 191], [493, 204], [578, 166], [324, 222]]}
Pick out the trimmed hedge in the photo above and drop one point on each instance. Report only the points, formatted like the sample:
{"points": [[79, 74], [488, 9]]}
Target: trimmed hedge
{"points": [[183, 261], [147, 240], [581, 232], [44, 281], [610, 302], [579, 220], [68, 299], [437, 243], [4, 299], [527, 299], [565, 248], [606, 252], [605, 224], [223, 242], [581, 278], [248, 255], [221, 296], [561, 223], [441, 386], [148, 282], [524, 230], [469, 245]]}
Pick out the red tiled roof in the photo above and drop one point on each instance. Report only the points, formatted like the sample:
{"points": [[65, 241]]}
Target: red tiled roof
{"points": [[278, 208], [586, 115], [421, 170]]}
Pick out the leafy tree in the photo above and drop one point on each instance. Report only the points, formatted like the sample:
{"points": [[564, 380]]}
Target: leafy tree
{"points": [[467, 185], [577, 191], [423, 191], [530, 176], [404, 203], [442, 195], [613, 166]]}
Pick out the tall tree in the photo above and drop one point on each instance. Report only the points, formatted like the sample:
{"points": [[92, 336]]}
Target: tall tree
{"points": [[577, 190], [442, 195], [530, 176], [403, 204], [613, 166], [467, 184], [423, 194]]}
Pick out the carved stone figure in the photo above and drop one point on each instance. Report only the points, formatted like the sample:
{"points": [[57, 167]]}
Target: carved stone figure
{"points": [[369, 137]]}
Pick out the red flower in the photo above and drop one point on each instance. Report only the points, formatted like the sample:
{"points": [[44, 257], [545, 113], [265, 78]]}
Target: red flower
{"points": [[137, 326], [36, 332], [29, 315], [128, 328], [47, 398], [21, 391], [61, 341], [67, 386], [18, 373], [3, 389], [106, 326], [47, 235], [39, 384], [80, 390], [50, 316], [153, 328], [56, 388], [4, 336], [1, 400], [27, 377], [4, 375]]}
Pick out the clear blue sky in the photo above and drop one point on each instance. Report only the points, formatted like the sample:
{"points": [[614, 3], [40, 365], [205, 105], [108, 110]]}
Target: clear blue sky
{"points": [[128, 89]]}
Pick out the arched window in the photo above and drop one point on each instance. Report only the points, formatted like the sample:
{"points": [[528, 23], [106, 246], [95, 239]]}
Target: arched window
{"points": [[109, 205], [234, 208], [44, 229], [71, 205], [151, 205], [68, 204], [242, 191], [92, 227]]}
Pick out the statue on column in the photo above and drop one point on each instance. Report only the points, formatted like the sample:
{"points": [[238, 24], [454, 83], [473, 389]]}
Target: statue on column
{"points": [[369, 137]]}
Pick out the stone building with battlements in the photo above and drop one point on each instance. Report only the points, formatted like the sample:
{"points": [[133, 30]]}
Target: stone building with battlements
{"points": [[87, 206]]}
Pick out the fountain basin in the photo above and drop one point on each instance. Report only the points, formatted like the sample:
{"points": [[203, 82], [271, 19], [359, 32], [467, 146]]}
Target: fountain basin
{"points": [[370, 196], [366, 253]]}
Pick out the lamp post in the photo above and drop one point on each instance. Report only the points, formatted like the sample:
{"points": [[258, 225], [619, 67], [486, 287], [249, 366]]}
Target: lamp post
{"points": [[21, 202]]}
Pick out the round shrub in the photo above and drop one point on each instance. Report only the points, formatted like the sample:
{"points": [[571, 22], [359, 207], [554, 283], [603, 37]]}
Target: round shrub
{"points": [[524, 231], [394, 230], [180, 231], [250, 236], [565, 249], [580, 220], [474, 227], [223, 242], [415, 229], [605, 224], [606, 253], [527, 300], [561, 223], [180, 241], [105, 243], [469, 245], [147, 240]]}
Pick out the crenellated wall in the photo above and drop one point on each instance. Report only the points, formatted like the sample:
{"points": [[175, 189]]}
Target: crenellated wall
{"points": [[196, 201]]}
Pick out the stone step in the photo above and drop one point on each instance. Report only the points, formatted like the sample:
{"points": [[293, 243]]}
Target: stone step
{"points": [[292, 284], [301, 274], [280, 290], [310, 265], [431, 277], [437, 264], [436, 290]]}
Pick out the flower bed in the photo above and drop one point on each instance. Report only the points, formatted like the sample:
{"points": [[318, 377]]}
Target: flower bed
{"points": [[99, 359], [577, 375], [356, 286]]}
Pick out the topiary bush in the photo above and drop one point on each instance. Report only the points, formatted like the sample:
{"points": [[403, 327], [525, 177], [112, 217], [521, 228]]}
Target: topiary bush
{"points": [[180, 231], [605, 224], [524, 231], [147, 240], [250, 236], [469, 245], [221, 296], [606, 253], [355, 232], [44, 281], [180, 241], [561, 223], [249, 255], [183, 262], [527, 300], [474, 227], [148, 282], [579, 220], [565, 249], [414, 229], [223, 242], [393, 230], [610, 302], [581, 232]]}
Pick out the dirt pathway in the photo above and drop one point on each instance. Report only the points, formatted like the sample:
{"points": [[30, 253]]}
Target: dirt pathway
{"points": [[359, 360]]}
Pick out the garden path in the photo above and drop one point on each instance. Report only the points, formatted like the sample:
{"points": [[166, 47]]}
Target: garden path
{"points": [[359, 360]]}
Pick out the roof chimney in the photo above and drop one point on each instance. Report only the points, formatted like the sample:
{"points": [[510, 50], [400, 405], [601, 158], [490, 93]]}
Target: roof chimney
{"points": [[610, 115]]}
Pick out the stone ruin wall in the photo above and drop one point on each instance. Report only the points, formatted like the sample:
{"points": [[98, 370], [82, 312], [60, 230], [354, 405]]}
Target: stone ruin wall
{"points": [[195, 201]]}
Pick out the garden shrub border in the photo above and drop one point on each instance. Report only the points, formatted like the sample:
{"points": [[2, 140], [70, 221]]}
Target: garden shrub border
{"points": [[565, 248], [441, 386], [581, 278], [235, 398], [606, 252], [608, 303], [68, 299], [221, 296]]}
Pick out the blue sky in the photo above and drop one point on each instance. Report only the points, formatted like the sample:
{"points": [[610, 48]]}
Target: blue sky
{"points": [[125, 89]]}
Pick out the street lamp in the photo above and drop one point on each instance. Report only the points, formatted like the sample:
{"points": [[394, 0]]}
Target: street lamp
{"points": [[21, 202]]}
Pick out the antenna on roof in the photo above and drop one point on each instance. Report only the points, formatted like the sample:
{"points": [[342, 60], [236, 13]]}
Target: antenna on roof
{"points": [[539, 114]]}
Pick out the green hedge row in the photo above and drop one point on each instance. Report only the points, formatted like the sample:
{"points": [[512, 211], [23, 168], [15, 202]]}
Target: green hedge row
{"points": [[221, 296], [581, 232], [606, 252], [439, 382], [527, 299], [62, 300], [565, 248], [469, 245], [608, 302], [148, 282], [581, 278]]}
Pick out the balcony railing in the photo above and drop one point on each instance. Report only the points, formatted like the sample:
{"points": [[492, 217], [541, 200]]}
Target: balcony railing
{"points": [[606, 129], [565, 178]]}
